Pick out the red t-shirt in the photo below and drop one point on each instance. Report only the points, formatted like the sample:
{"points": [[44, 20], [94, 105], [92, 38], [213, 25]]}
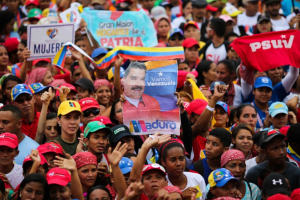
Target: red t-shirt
{"points": [[198, 145], [30, 129]]}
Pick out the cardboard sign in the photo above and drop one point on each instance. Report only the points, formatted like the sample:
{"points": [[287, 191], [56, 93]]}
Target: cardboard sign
{"points": [[44, 41], [71, 15]]}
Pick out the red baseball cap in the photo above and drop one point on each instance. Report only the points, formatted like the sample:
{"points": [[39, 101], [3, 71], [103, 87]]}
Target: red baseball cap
{"points": [[9, 140], [58, 176], [34, 2], [87, 103], [193, 23], [211, 8], [105, 120], [190, 42], [27, 159], [51, 147], [34, 62], [153, 166], [72, 87], [11, 44], [197, 106], [182, 77]]}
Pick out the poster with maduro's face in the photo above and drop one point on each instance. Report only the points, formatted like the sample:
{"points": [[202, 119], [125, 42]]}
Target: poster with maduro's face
{"points": [[150, 102]]}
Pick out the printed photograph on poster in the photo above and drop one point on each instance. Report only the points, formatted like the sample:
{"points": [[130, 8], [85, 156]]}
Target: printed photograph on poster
{"points": [[150, 102], [44, 41]]}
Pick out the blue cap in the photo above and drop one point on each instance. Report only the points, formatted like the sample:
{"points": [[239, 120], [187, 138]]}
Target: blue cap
{"points": [[98, 52], [125, 165], [224, 106], [220, 177], [212, 86], [20, 89], [174, 31], [263, 82], [277, 108], [37, 87]]}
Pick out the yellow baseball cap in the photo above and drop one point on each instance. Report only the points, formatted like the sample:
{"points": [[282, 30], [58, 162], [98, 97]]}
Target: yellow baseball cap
{"points": [[67, 107]]}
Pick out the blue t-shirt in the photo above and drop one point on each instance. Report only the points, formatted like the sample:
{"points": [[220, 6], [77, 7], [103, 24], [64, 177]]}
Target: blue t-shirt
{"points": [[278, 94], [262, 115], [25, 148], [287, 6]]}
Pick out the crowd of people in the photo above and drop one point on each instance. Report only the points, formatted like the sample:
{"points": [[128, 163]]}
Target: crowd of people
{"points": [[62, 135]]}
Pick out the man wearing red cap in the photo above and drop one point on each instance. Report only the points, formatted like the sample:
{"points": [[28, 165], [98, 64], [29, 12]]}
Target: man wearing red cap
{"points": [[90, 109], [191, 54], [29, 4], [8, 151], [11, 45]]}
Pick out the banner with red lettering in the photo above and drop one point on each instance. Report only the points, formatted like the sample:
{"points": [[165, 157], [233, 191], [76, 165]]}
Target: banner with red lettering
{"points": [[269, 50], [121, 28]]}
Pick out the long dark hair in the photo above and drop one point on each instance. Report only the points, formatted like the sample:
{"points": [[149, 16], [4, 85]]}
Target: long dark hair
{"points": [[3, 85], [100, 187], [203, 66], [5, 16], [113, 112], [35, 178]]}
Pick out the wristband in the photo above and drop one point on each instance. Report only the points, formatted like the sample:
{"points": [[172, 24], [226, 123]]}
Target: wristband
{"points": [[210, 108]]}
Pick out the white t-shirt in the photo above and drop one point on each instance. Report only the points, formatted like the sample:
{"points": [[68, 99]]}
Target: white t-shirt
{"points": [[249, 164], [237, 101], [15, 177], [25, 148], [244, 20], [177, 21], [280, 24], [194, 180], [216, 54]]}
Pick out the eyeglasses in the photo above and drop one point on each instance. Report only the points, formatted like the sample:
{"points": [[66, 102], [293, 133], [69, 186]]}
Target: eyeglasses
{"points": [[26, 98], [176, 38], [87, 113]]}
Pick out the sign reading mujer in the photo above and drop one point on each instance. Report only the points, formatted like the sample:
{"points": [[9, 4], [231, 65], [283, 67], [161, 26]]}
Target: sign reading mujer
{"points": [[116, 28], [44, 41]]}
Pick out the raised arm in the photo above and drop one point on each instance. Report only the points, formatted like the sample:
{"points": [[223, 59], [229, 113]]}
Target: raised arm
{"points": [[78, 56], [70, 165], [45, 98], [117, 78], [25, 65], [155, 140], [114, 158], [202, 122]]}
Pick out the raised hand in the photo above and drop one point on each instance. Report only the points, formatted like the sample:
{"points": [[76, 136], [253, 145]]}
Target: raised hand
{"points": [[35, 156], [187, 194], [76, 54], [118, 61], [81, 144], [63, 92], [115, 157], [134, 191], [26, 53], [155, 140], [220, 90], [66, 163], [47, 97]]}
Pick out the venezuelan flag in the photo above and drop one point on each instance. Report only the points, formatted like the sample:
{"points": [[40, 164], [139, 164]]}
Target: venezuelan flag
{"points": [[132, 53], [141, 54]]}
